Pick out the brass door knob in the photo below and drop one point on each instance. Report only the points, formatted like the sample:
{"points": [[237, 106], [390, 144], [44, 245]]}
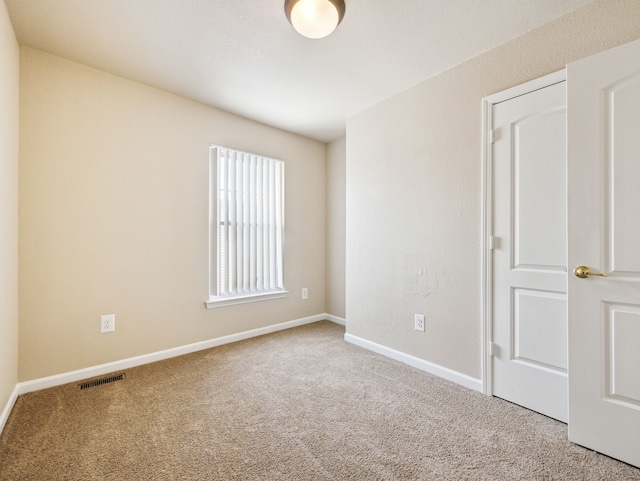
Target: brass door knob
{"points": [[583, 272]]}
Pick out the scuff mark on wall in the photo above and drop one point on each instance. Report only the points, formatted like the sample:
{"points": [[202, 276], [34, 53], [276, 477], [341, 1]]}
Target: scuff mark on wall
{"points": [[420, 282]]}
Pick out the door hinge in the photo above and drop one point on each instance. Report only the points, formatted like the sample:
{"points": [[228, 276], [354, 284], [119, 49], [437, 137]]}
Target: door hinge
{"points": [[492, 348], [492, 136], [492, 242]]}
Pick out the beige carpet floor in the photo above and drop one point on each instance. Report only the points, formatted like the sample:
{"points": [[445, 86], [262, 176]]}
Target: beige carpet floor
{"points": [[295, 405]]}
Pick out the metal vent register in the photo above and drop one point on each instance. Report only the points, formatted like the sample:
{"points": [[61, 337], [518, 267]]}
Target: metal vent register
{"points": [[100, 382]]}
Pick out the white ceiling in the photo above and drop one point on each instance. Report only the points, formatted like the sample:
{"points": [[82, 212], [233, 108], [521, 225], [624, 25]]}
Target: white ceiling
{"points": [[244, 57]]}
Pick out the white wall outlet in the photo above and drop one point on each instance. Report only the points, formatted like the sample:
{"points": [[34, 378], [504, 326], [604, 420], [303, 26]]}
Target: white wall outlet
{"points": [[108, 323], [305, 293], [419, 322]]}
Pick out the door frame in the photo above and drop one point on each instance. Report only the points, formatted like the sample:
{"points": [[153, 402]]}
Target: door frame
{"points": [[487, 213]]}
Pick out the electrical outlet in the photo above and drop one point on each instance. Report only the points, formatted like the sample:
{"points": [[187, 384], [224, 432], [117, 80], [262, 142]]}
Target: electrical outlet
{"points": [[419, 322], [305, 293], [108, 323]]}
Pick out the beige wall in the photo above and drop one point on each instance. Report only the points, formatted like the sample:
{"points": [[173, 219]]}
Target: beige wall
{"points": [[114, 208], [336, 225], [414, 190], [9, 95]]}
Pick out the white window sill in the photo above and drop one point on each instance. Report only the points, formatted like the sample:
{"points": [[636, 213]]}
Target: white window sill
{"points": [[215, 302]]}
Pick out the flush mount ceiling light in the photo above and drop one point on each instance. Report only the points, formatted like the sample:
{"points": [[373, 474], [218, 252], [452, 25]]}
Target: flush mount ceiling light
{"points": [[314, 18]]}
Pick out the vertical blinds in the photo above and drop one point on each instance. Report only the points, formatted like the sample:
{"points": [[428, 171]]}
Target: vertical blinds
{"points": [[250, 223]]}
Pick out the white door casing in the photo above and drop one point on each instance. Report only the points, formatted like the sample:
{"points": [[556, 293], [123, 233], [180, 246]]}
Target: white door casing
{"points": [[529, 320], [604, 235]]}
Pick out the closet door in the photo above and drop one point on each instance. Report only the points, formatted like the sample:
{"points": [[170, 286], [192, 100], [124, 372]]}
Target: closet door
{"points": [[529, 364], [604, 239]]}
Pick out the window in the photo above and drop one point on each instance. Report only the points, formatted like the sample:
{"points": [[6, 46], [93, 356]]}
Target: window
{"points": [[246, 227]]}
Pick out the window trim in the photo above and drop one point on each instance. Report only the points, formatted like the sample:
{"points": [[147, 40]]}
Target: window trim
{"points": [[215, 299], [223, 301]]}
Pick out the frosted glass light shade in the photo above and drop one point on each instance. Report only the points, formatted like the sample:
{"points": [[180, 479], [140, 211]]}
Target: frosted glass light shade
{"points": [[314, 18]]}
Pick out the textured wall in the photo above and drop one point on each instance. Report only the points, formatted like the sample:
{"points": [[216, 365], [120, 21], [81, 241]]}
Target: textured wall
{"points": [[114, 209], [414, 190], [336, 225], [9, 68]]}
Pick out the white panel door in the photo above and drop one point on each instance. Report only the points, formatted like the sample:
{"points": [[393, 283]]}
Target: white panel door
{"points": [[529, 364], [604, 235]]}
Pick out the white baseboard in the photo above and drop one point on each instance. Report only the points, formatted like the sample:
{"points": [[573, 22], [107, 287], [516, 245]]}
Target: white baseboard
{"points": [[336, 319], [431, 368], [73, 376], [7, 409]]}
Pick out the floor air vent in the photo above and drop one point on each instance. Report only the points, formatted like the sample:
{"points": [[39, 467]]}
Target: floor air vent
{"points": [[100, 382]]}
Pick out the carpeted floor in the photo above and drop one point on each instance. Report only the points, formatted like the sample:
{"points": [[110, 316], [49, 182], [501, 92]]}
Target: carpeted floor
{"points": [[295, 405]]}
